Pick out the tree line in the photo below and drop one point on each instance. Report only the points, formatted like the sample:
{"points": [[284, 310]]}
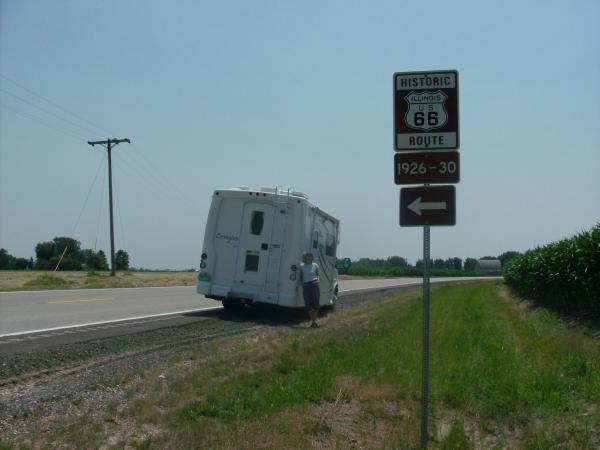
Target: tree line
{"points": [[454, 263], [67, 254]]}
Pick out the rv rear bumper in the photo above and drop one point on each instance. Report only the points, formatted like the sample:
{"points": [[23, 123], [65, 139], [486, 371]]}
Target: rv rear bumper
{"points": [[212, 290]]}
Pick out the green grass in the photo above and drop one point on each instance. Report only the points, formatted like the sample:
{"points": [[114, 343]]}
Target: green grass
{"points": [[502, 375], [47, 282], [484, 358]]}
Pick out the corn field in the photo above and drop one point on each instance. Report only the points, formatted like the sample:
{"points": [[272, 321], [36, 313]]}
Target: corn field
{"points": [[565, 274]]}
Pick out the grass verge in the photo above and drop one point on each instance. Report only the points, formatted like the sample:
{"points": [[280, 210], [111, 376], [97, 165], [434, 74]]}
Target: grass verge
{"points": [[18, 280], [47, 282], [502, 376]]}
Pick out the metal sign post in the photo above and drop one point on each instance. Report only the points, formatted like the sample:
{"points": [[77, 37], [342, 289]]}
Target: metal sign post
{"points": [[425, 336], [425, 123]]}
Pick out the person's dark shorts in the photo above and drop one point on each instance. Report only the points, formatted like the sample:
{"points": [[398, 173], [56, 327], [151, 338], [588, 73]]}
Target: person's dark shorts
{"points": [[311, 294]]}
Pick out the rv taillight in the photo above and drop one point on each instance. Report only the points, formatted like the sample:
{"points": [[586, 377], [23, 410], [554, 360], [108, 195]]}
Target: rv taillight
{"points": [[204, 256], [294, 268]]}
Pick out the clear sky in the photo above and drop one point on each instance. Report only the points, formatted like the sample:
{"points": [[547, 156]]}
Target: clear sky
{"points": [[260, 93]]}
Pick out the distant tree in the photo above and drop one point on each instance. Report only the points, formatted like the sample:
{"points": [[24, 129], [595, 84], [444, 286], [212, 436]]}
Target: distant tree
{"points": [[89, 258], [48, 254], [5, 259], [45, 250], [488, 257], [438, 263], [122, 260], [470, 264], [507, 256], [397, 261], [419, 264], [20, 264], [73, 247], [454, 263], [368, 262], [101, 262], [42, 264], [8, 261], [94, 260]]}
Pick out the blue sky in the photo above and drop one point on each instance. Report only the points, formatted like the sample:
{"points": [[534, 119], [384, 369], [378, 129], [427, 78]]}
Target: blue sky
{"points": [[215, 95]]}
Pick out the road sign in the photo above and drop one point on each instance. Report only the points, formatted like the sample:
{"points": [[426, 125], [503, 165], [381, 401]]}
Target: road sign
{"points": [[427, 205], [426, 167], [426, 110]]}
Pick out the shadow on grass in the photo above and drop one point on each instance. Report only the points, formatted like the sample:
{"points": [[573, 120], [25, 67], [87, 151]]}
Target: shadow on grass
{"points": [[578, 317]]}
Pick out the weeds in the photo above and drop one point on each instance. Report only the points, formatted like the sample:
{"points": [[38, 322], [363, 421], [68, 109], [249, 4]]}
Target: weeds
{"points": [[47, 282]]}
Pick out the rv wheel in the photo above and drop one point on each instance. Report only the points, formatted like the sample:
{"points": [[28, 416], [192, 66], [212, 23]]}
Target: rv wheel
{"points": [[334, 297]]}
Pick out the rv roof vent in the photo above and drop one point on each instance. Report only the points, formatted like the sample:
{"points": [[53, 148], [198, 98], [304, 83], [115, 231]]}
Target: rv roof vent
{"points": [[300, 194], [241, 188], [270, 189]]}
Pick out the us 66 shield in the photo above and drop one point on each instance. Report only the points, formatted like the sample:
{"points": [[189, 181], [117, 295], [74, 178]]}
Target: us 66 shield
{"points": [[426, 110]]}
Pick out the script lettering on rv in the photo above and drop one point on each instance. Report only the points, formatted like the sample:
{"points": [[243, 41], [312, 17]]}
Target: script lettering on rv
{"points": [[426, 110], [227, 237]]}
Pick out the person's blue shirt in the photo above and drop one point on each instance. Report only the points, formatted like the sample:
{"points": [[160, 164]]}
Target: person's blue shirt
{"points": [[309, 272]]}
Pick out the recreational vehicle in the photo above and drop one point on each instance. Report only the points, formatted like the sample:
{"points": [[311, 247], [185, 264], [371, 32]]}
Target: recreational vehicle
{"points": [[253, 245]]}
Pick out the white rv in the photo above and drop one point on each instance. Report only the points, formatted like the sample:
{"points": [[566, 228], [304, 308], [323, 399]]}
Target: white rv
{"points": [[253, 245]]}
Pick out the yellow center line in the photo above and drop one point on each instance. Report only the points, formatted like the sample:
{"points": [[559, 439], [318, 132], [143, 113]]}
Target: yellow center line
{"points": [[81, 300]]}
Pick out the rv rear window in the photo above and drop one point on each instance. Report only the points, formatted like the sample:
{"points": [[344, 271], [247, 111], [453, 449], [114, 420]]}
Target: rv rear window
{"points": [[251, 262], [256, 224]]}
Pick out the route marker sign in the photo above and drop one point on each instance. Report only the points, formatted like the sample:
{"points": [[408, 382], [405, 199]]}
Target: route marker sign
{"points": [[427, 205], [426, 167], [426, 110]]}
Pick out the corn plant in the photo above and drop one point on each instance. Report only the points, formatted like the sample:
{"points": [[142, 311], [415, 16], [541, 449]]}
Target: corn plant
{"points": [[565, 274]]}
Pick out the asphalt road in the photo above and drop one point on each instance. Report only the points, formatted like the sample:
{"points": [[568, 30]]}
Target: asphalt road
{"points": [[43, 311]]}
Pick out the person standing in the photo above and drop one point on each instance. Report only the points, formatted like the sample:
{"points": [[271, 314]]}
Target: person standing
{"points": [[310, 287]]}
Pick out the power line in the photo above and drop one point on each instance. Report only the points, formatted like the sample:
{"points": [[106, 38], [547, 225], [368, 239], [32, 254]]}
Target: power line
{"points": [[56, 105], [120, 222], [147, 165], [154, 179], [147, 178], [47, 111], [142, 165], [42, 122], [101, 204], [170, 185], [87, 197]]}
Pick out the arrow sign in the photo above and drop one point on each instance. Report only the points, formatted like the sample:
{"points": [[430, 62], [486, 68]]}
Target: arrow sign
{"points": [[417, 206], [427, 205]]}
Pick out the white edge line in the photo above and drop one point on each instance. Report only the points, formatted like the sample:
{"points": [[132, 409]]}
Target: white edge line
{"points": [[96, 289], [109, 321]]}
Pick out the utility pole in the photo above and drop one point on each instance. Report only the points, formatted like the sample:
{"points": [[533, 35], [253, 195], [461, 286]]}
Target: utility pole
{"points": [[108, 145]]}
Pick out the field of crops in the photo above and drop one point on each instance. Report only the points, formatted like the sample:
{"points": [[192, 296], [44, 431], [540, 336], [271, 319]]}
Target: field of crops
{"points": [[564, 274], [358, 270]]}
